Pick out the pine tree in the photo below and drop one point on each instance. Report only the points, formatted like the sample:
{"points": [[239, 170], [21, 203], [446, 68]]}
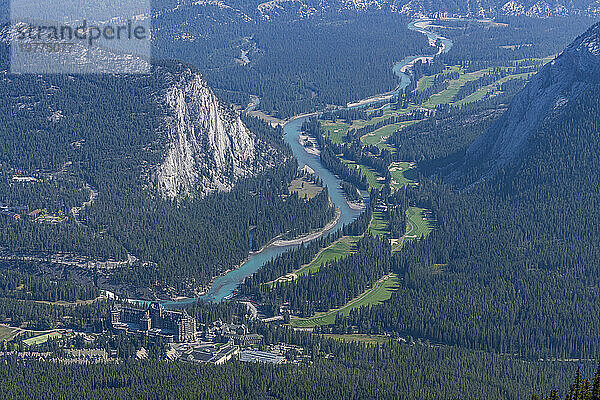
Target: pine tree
{"points": [[596, 386], [580, 390], [554, 395]]}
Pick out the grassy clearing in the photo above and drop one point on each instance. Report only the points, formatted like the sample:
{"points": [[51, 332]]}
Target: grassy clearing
{"points": [[397, 244], [480, 94], [42, 338], [493, 89], [381, 292], [418, 224], [379, 224], [335, 131], [378, 137], [340, 249], [402, 175], [343, 247], [7, 333], [544, 60], [446, 96], [387, 112], [373, 178], [425, 83], [361, 338], [304, 188]]}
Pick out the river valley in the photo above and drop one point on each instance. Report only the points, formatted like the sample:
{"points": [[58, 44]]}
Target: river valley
{"points": [[224, 286]]}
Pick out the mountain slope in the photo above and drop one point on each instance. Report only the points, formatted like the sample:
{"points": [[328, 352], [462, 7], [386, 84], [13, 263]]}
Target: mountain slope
{"points": [[105, 155], [294, 9], [513, 266], [572, 74]]}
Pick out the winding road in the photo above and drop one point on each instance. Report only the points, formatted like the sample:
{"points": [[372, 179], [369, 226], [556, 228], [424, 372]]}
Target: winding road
{"points": [[76, 210]]}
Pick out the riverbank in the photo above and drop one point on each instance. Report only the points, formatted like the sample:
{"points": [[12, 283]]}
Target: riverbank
{"points": [[312, 148], [274, 243], [311, 236], [221, 287], [356, 205], [374, 99]]}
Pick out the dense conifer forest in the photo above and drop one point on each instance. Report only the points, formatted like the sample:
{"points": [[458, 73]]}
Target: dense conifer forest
{"points": [[513, 265], [295, 66], [349, 370], [107, 143], [580, 389], [498, 300]]}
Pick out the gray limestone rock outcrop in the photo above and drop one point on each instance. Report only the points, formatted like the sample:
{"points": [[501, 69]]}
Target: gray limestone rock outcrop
{"points": [[209, 148]]}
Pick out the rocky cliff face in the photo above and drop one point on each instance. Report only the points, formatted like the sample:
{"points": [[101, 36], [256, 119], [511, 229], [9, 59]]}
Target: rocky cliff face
{"points": [[570, 74], [209, 147]]}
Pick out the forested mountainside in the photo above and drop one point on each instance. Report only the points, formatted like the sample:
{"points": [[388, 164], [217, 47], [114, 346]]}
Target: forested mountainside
{"points": [[509, 38], [294, 9], [575, 72], [180, 138], [296, 65], [513, 266], [339, 369], [581, 388], [141, 171]]}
